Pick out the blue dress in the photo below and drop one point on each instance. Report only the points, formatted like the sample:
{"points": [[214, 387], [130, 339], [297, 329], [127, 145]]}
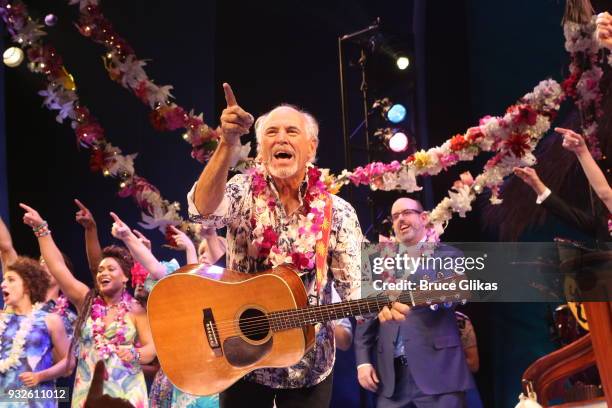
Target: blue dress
{"points": [[37, 356]]}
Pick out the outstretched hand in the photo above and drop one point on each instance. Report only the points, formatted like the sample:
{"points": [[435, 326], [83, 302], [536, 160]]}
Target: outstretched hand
{"points": [[144, 240], [572, 141], [235, 121], [83, 216], [120, 230], [180, 238], [531, 178], [604, 29], [31, 217]]}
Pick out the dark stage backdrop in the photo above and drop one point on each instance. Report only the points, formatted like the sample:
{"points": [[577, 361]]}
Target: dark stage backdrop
{"points": [[47, 170], [480, 57]]}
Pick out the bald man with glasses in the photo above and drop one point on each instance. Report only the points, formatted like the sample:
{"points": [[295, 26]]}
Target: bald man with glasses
{"points": [[420, 361]]}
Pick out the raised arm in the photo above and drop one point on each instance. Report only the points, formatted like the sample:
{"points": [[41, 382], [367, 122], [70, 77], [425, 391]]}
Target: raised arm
{"points": [[139, 251], [215, 247], [574, 142], [8, 255], [235, 122], [184, 243], [71, 286], [92, 242]]}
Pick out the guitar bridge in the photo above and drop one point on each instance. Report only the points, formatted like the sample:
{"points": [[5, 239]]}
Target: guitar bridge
{"points": [[212, 334]]}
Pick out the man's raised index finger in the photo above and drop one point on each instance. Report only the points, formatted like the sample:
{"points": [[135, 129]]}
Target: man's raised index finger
{"points": [[229, 95]]}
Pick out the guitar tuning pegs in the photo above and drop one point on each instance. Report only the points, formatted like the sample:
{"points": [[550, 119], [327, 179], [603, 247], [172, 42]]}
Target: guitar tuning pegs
{"points": [[434, 307]]}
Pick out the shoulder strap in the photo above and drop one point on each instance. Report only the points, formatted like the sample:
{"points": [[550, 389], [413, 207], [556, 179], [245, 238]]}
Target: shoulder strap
{"points": [[322, 245]]}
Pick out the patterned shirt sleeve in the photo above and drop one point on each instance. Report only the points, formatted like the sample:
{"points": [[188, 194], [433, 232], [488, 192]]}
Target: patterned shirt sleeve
{"points": [[170, 266], [231, 204], [346, 254]]}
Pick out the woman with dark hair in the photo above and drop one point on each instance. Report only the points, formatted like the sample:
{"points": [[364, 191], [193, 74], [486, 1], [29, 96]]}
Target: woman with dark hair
{"points": [[163, 393], [112, 326], [30, 338]]}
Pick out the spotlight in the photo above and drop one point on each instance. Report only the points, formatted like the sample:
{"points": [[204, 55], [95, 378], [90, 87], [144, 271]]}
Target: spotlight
{"points": [[396, 113], [402, 62], [13, 56], [394, 139], [398, 142]]}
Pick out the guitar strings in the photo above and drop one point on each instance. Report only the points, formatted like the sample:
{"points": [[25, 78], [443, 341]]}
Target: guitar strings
{"points": [[263, 324]]}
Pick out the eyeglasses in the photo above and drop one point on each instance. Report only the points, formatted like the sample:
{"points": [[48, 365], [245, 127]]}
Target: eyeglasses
{"points": [[406, 212]]}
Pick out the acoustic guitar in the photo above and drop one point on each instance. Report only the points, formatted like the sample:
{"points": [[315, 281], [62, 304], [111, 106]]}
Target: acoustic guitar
{"points": [[211, 326]]}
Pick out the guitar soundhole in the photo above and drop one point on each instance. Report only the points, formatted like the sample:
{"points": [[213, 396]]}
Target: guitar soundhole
{"points": [[254, 324]]}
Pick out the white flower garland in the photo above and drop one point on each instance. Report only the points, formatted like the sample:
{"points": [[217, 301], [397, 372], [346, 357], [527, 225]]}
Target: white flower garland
{"points": [[17, 348]]}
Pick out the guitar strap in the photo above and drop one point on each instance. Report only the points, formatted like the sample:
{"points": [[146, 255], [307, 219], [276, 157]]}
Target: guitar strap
{"points": [[322, 245]]}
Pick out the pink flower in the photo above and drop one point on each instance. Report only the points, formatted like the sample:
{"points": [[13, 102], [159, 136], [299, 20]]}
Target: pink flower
{"points": [[447, 160], [175, 118]]}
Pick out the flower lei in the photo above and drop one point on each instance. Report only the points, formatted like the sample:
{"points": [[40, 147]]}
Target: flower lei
{"points": [[583, 83], [99, 310], [60, 306], [25, 327], [305, 237]]}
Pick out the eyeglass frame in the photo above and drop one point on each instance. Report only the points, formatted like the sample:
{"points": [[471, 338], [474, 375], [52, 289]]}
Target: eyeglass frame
{"points": [[406, 212]]}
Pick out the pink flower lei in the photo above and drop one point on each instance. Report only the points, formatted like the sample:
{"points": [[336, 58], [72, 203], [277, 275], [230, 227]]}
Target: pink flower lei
{"points": [[60, 306], [265, 238], [99, 309]]}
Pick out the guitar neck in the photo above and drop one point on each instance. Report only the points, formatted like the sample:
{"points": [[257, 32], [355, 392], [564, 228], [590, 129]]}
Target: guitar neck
{"points": [[293, 318]]}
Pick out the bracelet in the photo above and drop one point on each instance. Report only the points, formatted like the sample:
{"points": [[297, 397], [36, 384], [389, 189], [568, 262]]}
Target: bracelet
{"points": [[44, 224], [42, 231], [136, 354]]}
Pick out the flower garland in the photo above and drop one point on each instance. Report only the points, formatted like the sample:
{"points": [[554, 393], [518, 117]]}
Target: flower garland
{"points": [[25, 327], [61, 305], [309, 229], [60, 95], [125, 68], [520, 134], [583, 83], [99, 310]]}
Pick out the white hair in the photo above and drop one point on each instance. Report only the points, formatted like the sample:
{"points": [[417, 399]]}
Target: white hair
{"points": [[312, 126]]}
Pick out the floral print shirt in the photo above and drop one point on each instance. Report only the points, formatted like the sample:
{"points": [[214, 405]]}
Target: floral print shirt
{"points": [[343, 267]]}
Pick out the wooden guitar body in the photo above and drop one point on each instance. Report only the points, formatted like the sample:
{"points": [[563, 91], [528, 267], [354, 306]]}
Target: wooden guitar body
{"points": [[210, 329]]}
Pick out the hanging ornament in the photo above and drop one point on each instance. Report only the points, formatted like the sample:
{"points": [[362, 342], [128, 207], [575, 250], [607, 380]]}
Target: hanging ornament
{"points": [[50, 20]]}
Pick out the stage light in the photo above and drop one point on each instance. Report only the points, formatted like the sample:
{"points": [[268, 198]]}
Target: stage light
{"points": [[398, 142], [13, 56], [395, 140], [396, 113], [402, 62]]}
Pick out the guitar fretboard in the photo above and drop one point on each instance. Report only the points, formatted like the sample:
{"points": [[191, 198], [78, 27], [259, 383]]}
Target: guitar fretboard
{"points": [[293, 318]]}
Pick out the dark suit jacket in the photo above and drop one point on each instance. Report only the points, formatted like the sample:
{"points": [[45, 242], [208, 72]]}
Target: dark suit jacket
{"points": [[432, 346], [594, 225]]}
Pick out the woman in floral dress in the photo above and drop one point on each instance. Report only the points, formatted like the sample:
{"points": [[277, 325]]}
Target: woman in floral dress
{"points": [[29, 337], [160, 395], [112, 326]]}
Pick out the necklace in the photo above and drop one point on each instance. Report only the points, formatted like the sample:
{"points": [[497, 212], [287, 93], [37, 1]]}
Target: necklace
{"points": [[12, 360], [99, 309], [265, 238], [60, 306]]}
